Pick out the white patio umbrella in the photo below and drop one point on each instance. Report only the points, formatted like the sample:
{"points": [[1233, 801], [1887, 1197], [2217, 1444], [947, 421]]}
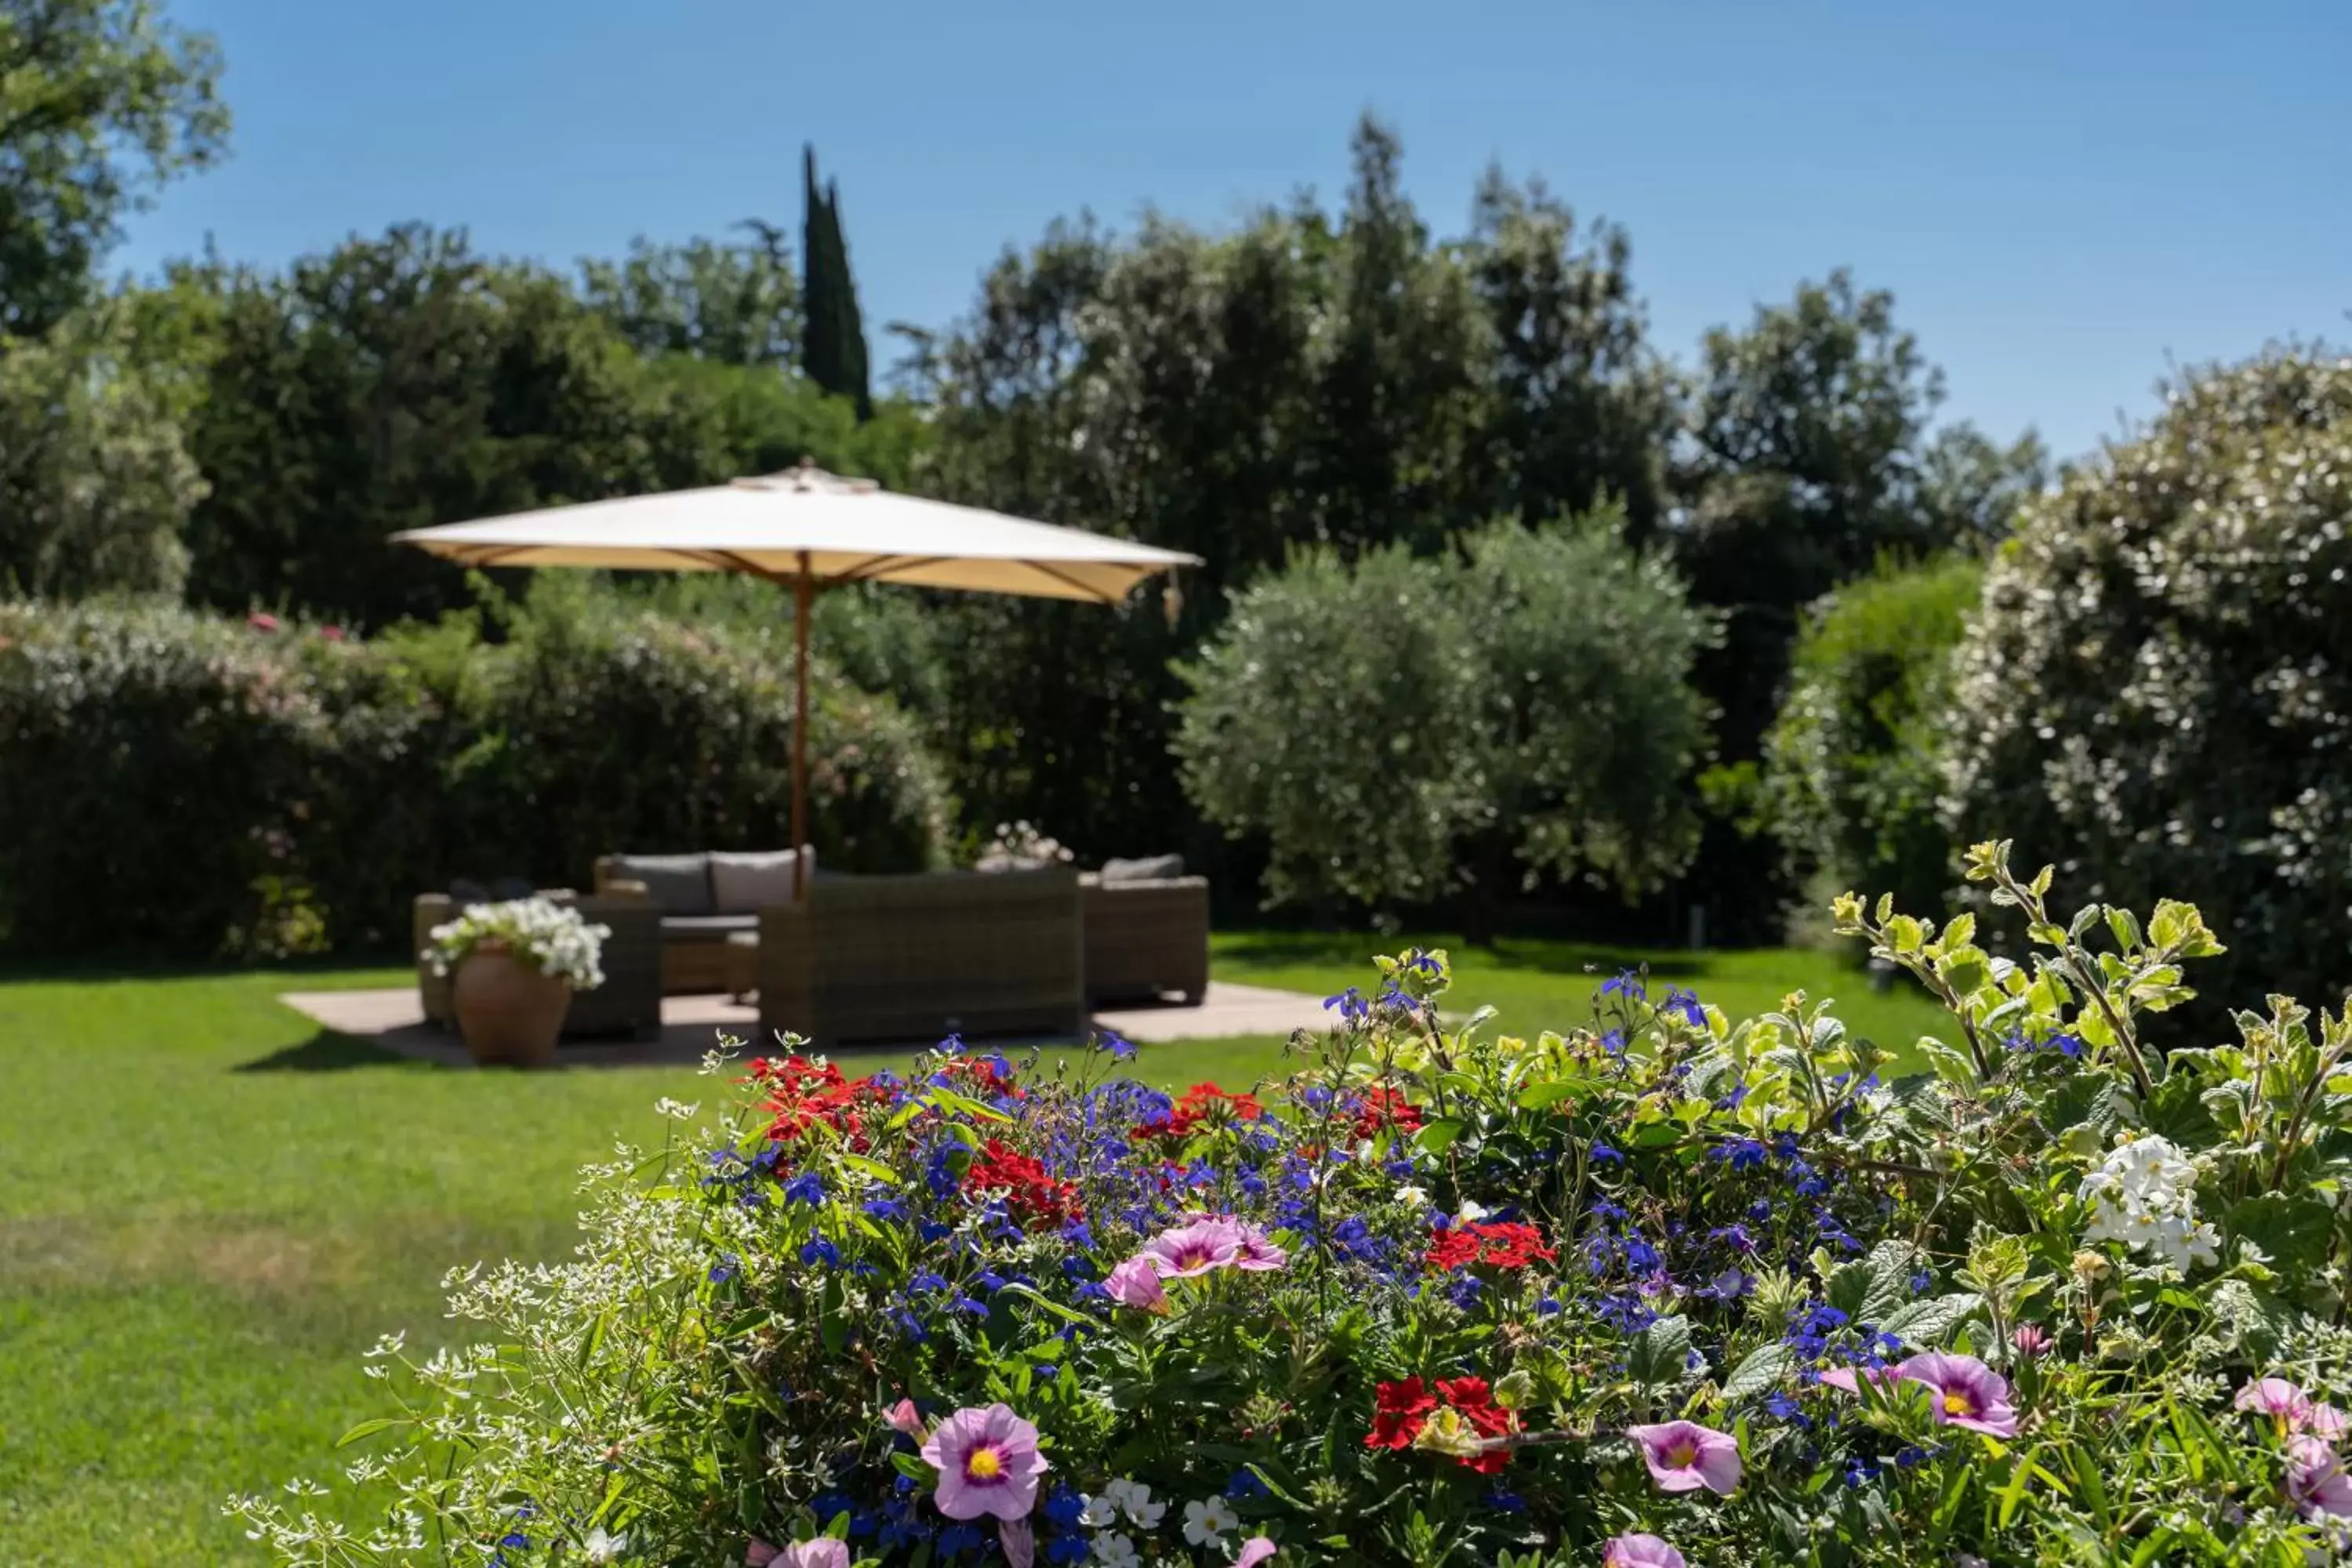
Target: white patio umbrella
{"points": [[808, 529]]}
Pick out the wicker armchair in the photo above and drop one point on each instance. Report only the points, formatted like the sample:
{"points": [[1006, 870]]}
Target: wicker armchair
{"points": [[1146, 939], [628, 1003], [915, 958]]}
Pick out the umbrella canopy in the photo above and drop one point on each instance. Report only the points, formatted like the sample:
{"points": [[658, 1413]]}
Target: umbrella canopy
{"points": [[805, 523], [809, 530]]}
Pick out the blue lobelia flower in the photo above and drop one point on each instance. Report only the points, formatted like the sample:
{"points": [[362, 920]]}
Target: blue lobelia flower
{"points": [[806, 1188]]}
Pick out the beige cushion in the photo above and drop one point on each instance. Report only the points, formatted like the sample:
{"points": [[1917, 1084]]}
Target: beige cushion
{"points": [[1154, 868], [744, 882], [680, 884]]}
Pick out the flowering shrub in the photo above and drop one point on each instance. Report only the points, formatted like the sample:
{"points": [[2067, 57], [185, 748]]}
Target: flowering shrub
{"points": [[538, 934], [1658, 1289]]}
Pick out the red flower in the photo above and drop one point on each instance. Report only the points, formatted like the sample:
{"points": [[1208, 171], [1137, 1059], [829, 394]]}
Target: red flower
{"points": [[1475, 1401], [1380, 1107], [1400, 1410], [1032, 1194], [1203, 1103], [1452, 1248], [1501, 1245], [332, 634], [801, 1093], [262, 621]]}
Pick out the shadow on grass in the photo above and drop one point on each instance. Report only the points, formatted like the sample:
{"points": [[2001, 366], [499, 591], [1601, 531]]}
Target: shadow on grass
{"points": [[327, 1051], [26, 969]]}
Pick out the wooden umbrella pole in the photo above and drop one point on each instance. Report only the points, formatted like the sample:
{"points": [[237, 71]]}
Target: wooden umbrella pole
{"points": [[804, 599]]}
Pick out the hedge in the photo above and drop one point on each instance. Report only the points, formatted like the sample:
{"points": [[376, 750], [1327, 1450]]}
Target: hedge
{"points": [[176, 784]]}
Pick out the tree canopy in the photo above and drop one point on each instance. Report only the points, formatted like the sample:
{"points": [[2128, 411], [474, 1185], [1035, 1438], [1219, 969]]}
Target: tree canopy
{"points": [[101, 101]]}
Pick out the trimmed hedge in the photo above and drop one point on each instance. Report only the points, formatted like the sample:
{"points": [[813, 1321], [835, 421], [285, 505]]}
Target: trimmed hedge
{"points": [[177, 783], [1855, 763]]}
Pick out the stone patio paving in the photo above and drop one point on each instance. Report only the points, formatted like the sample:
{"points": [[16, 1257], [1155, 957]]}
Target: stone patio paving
{"points": [[394, 1020]]}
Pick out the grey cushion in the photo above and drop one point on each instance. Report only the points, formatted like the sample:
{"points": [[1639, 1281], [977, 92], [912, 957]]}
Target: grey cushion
{"points": [[1153, 868], [680, 884], [706, 928], [744, 882]]}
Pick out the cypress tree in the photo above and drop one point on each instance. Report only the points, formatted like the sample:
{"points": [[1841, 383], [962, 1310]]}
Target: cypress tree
{"points": [[832, 347]]}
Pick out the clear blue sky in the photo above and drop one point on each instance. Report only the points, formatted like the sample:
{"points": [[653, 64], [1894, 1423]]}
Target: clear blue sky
{"points": [[2059, 193]]}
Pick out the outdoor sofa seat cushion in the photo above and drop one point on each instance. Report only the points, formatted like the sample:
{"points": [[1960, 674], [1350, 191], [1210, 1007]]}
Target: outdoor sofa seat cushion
{"points": [[1151, 868], [680, 884], [706, 928], [744, 882]]}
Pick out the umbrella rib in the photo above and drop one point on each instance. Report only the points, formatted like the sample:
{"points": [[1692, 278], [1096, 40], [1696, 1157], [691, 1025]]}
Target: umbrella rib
{"points": [[870, 570], [1089, 589]]}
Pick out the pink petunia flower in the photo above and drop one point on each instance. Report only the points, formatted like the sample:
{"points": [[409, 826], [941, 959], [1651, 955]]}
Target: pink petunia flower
{"points": [[759, 1554], [1639, 1552], [1967, 1392], [822, 1553], [2290, 1408], [1020, 1541], [1256, 1253], [1255, 1551], [2031, 1341], [904, 1418], [2277, 1398], [1684, 1455], [1850, 1377], [1136, 1283], [1192, 1251], [2315, 1481], [987, 1464]]}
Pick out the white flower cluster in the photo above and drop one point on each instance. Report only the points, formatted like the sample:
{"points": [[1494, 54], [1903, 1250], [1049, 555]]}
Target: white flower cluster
{"points": [[551, 939], [2144, 1194], [1206, 1523]]}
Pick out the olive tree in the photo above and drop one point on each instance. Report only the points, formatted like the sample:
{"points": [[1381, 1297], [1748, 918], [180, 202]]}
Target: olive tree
{"points": [[1404, 729]]}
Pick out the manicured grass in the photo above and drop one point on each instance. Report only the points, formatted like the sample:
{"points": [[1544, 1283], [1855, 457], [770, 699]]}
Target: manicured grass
{"points": [[208, 1208], [1537, 985]]}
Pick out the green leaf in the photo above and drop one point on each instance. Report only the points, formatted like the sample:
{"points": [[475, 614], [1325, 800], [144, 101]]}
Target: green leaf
{"points": [[1928, 1324], [1437, 1137], [369, 1429], [1660, 1352], [1762, 1372], [1544, 1096], [2292, 1228]]}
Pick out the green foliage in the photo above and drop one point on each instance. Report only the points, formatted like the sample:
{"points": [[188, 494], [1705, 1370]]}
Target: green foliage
{"points": [[183, 784], [96, 481], [1855, 763], [1319, 377], [735, 304], [833, 349], [2059, 1301], [1380, 723], [2155, 692], [405, 382], [101, 101]]}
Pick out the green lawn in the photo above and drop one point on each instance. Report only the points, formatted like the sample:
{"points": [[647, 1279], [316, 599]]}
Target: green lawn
{"points": [[207, 1209]]}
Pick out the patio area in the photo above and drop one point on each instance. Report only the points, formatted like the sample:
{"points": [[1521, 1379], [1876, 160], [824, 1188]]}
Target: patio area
{"points": [[393, 1020]]}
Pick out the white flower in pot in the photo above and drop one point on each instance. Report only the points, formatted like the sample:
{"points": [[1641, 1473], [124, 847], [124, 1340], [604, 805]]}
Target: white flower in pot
{"points": [[514, 966]]}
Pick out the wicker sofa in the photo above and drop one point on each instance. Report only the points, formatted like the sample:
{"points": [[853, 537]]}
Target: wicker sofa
{"points": [[917, 958], [1145, 938], [628, 1003], [701, 900]]}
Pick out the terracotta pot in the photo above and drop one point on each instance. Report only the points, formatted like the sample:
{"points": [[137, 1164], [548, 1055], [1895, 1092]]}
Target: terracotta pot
{"points": [[509, 1013]]}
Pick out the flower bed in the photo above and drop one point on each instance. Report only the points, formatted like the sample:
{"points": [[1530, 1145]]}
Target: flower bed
{"points": [[1656, 1289]]}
